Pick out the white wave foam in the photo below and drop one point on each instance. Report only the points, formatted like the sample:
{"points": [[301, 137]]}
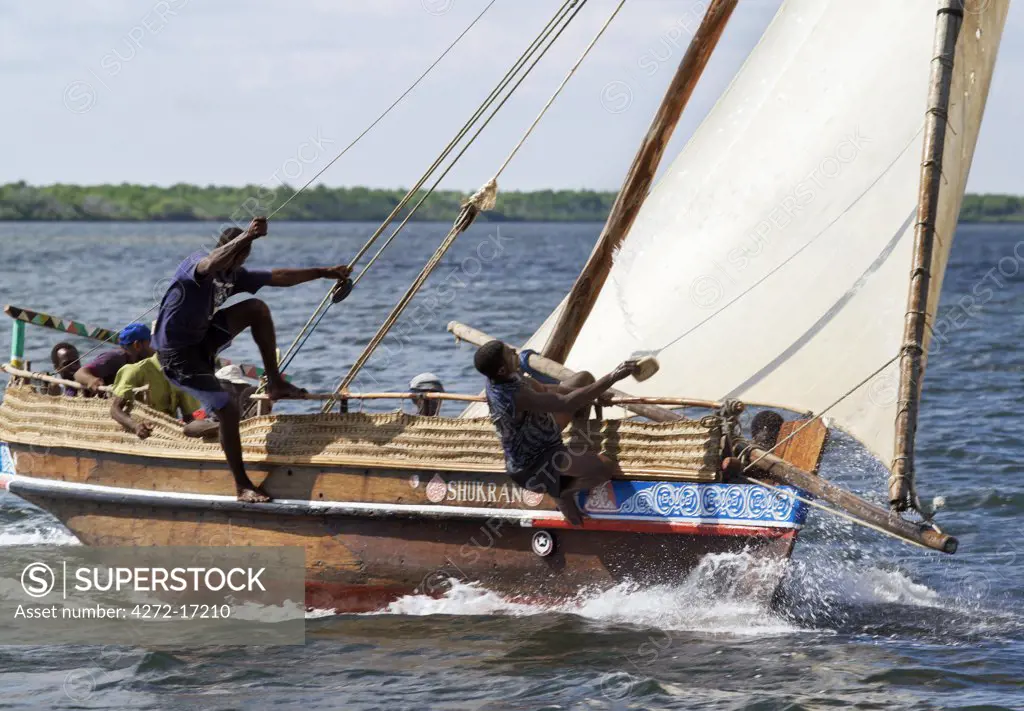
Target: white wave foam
{"points": [[672, 608], [37, 536], [725, 594], [890, 586], [317, 613], [257, 612], [461, 599], [826, 579]]}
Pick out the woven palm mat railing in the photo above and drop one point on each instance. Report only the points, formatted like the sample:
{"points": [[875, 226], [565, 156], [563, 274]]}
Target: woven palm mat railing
{"points": [[678, 450]]}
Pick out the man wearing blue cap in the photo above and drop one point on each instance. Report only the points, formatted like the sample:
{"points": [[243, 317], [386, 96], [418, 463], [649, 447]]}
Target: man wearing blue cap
{"points": [[159, 394], [134, 340], [192, 328]]}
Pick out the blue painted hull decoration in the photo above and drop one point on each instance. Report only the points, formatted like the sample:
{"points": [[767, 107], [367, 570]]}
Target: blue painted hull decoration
{"points": [[6, 459], [724, 504]]}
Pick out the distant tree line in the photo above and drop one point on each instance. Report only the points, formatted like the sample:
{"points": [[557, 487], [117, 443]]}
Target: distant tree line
{"points": [[992, 208], [181, 202], [19, 201]]}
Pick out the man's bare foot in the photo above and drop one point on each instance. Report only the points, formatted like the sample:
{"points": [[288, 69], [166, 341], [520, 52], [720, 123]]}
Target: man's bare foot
{"points": [[283, 389], [255, 495], [567, 505]]}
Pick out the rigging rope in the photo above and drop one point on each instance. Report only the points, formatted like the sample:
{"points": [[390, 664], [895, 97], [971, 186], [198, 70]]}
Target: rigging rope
{"points": [[811, 502], [483, 200], [347, 148], [386, 111], [821, 414], [568, 76], [558, 19], [518, 145]]}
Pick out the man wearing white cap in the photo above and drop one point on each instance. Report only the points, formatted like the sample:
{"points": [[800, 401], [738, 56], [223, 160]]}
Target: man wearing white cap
{"points": [[234, 381], [426, 383]]}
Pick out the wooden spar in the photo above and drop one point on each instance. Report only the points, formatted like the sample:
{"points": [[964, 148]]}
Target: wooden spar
{"points": [[460, 397], [912, 355], [43, 377], [378, 396], [776, 469], [98, 333], [38, 318], [559, 371], [637, 184], [768, 466], [471, 335]]}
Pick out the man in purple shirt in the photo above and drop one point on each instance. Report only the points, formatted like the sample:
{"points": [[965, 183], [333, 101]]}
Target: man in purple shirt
{"points": [[134, 340], [192, 328], [64, 358]]}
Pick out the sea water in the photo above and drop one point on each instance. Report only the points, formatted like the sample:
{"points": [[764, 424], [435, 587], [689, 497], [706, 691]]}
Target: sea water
{"points": [[863, 621]]}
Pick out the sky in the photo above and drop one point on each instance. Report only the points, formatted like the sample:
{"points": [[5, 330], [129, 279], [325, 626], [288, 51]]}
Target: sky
{"points": [[233, 92]]}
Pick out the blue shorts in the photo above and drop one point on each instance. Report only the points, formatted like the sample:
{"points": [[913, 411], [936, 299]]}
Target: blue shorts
{"points": [[191, 368]]}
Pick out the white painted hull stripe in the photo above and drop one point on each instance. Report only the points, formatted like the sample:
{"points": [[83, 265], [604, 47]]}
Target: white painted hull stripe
{"points": [[16, 482]]}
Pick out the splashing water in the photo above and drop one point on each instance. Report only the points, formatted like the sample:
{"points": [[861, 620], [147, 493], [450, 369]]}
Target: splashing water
{"points": [[723, 595], [31, 534]]}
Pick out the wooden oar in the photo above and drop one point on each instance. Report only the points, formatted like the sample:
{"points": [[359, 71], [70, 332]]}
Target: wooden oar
{"points": [[98, 333]]}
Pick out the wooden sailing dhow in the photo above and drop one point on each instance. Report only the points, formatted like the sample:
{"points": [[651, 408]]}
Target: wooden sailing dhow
{"points": [[768, 265]]}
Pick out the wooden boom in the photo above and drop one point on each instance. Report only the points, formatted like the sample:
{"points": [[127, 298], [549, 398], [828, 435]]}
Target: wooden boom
{"points": [[768, 466], [581, 298]]}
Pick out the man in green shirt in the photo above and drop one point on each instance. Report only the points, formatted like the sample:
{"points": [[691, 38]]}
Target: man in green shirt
{"points": [[161, 396]]}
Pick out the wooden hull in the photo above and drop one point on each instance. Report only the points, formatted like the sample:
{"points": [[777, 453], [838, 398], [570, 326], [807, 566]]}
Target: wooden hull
{"points": [[371, 536]]}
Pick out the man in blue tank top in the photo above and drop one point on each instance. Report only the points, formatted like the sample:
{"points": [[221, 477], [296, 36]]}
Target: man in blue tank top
{"points": [[191, 329], [530, 416]]}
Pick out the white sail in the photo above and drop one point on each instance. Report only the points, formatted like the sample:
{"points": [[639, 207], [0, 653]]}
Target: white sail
{"points": [[771, 262]]}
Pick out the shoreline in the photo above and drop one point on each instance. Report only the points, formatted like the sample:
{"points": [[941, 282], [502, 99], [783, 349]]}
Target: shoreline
{"points": [[185, 203], [1015, 220]]}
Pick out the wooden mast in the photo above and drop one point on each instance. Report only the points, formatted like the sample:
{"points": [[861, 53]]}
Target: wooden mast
{"points": [[912, 354], [638, 181]]}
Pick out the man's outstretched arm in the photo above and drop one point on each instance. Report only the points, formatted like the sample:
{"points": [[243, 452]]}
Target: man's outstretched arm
{"points": [[90, 380], [293, 277], [558, 402], [223, 257]]}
